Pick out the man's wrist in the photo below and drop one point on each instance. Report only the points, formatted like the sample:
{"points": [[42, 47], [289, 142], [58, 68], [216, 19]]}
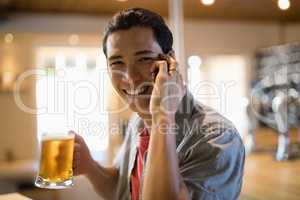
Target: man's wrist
{"points": [[162, 123], [162, 117]]}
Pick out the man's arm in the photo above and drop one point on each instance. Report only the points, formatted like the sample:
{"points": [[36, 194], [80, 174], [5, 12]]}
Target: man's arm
{"points": [[103, 179], [162, 178]]}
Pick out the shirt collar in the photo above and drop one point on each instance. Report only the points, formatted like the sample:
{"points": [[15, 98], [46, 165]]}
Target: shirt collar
{"points": [[182, 116]]}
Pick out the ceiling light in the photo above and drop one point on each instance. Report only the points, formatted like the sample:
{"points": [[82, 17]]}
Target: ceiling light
{"points": [[194, 61], [284, 4], [208, 2], [73, 39], [122, 0], [7, 79], [8, 38]]}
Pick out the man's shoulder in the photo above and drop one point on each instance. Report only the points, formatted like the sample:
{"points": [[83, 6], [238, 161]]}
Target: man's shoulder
{"points": [[205, 125], [205, 120], [209, 118]]}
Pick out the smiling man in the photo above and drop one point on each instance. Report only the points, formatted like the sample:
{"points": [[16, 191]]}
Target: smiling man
{"points": [[175, 147]]}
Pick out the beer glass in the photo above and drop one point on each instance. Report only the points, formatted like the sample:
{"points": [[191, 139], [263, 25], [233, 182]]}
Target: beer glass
{"points": [[56, 158]]}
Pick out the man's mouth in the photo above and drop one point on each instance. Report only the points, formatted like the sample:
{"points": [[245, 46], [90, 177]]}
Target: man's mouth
{"points": [[137, 92]]}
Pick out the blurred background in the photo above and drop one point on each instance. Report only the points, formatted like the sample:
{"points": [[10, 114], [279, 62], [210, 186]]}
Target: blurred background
{"points": [[239, 57]]}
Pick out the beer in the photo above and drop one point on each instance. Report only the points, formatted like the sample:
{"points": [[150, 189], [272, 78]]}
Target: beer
{"points": [[56, 162]]}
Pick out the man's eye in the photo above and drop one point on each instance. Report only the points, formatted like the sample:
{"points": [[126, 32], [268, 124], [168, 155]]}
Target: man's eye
{"points": [[117, 63], [144, 59]]}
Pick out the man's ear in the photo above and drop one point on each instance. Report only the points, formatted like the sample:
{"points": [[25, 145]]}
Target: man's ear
{"points": [[172, 53]]}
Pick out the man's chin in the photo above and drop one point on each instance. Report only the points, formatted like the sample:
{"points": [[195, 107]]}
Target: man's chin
{"points": [[142, 110]]}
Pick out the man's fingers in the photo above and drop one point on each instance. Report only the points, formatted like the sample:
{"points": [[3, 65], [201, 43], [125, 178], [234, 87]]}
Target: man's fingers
{"points": [[76, 158], [172, 64], [76, 168], [163, 66], [163, 69], [78, 138], [76, 146], [76, 162], [76, 152]]}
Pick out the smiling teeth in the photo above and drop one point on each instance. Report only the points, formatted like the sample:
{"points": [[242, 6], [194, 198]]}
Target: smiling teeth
{"points": [[136, 92]]}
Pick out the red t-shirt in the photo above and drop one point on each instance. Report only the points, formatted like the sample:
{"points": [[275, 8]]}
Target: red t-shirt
{"points": [[136, 173]]}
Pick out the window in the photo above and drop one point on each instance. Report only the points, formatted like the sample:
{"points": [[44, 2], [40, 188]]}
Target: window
{"points": [[71, 88], [220, 82]]}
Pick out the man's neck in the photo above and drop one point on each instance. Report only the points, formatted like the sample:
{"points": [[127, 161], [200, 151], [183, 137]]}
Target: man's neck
{"points": [[147, 119]]}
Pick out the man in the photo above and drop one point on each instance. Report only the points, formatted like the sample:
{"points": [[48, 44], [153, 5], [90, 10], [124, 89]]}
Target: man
{"points": [[175, 148]]}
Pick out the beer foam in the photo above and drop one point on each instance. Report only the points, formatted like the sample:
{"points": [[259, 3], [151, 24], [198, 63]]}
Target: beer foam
{"points": [[57, 136]]}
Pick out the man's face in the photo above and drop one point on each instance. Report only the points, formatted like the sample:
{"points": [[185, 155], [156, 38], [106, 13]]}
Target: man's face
{"points": [[130, 57]]}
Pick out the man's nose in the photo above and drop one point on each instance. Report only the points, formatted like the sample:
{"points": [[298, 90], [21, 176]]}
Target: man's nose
{"points": [[133, 75]]}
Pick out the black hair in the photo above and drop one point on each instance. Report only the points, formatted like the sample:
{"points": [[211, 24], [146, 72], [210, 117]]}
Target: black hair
{"points": [[140, 17]]}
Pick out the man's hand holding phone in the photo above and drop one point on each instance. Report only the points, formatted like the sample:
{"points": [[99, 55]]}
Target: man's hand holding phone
{"points": [[168, 89]]}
